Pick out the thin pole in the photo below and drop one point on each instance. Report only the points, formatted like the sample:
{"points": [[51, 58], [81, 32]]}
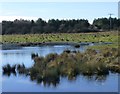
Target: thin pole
{"points": [[110, 21]]}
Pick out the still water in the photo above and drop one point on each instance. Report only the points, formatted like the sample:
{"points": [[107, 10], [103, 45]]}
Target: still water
{"points": [[21, 83]]}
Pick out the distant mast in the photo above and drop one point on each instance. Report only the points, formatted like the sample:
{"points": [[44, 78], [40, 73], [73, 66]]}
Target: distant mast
{"points": [[110, 14]]}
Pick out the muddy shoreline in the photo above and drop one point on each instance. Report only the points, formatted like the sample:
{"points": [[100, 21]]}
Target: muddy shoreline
{"points": [[8, 46]]}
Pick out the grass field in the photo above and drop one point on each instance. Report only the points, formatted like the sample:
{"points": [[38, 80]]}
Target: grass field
{"points": [[62, 37]]}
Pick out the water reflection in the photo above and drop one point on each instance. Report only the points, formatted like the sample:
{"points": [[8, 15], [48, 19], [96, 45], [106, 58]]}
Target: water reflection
{"points": [[19, 56], [8, 70], [48, 80], [97, 78], [8, 73], [22, 70]]}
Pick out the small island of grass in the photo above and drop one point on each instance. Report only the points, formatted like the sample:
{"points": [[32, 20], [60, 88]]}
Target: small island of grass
{"points": [[70, 64]]}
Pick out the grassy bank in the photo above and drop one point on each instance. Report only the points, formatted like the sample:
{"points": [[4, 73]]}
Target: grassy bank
{"points": [[62, 37], [102, 47]]}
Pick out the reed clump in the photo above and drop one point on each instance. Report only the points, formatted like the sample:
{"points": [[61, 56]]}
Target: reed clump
{"points": [[70, 64]]}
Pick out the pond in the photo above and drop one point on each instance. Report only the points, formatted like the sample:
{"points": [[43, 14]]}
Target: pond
{"points": [[22, 83]]}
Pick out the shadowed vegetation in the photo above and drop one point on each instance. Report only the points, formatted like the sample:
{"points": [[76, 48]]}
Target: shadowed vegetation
{"points": [[58, 26]]}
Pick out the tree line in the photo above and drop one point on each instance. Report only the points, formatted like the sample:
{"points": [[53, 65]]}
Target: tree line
{"points": [[58, 26]]}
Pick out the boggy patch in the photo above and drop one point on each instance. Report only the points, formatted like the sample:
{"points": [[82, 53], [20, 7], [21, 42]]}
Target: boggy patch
{"points": [[70, 64]]}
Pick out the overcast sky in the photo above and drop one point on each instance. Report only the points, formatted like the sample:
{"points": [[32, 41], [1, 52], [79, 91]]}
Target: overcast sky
{"points": [[57, 10]]}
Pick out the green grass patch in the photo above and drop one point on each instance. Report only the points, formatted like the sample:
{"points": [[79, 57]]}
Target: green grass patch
{"points": [[104, 46], [62, 37]]}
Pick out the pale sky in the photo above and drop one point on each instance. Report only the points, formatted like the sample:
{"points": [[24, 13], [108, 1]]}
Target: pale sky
{"points": [[57, 10]]}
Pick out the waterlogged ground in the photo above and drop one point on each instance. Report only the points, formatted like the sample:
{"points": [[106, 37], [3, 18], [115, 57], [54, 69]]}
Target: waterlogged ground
{"points": [[19, 83], [62, 37]]}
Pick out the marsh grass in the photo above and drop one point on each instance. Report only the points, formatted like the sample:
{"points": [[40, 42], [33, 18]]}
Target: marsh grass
{"points": [[70, 64], [62, 37]]}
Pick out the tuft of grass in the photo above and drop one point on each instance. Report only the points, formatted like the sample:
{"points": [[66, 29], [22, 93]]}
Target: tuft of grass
{"points": [[70, 64]]}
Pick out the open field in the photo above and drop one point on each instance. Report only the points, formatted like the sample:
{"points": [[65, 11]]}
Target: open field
{"points": [[62, 37]]}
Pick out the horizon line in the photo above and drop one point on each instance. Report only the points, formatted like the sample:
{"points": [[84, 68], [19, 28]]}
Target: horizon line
{"points": [[13, 18]]}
